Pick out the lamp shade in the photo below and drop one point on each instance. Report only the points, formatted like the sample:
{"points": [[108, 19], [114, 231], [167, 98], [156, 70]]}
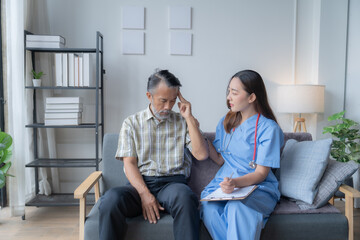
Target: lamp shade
{"points": [[301, 98]]}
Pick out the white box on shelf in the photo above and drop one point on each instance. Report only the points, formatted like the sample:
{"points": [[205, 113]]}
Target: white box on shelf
{"points": [[63, 106], [76, 110], [63, 100], [44, 44], [52, 115], [63, 121], [45, 38]]}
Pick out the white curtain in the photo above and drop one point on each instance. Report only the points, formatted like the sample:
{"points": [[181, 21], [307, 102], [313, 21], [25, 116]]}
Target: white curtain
{"points": [[20, 106], [19, 189]]}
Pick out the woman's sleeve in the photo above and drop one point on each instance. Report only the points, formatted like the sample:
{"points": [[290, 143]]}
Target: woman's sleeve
{"points": [[269, 144], [219, 130]]}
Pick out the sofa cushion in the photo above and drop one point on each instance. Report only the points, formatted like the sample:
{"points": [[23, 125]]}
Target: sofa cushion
{"points": [[302, 166], [335, 174], [330, 226]]}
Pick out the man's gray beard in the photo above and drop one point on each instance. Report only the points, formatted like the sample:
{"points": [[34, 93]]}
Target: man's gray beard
{"points": [[157, 114]]}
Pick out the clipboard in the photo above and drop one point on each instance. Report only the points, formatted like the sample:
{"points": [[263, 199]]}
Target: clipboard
{"points": [[237, 194]]}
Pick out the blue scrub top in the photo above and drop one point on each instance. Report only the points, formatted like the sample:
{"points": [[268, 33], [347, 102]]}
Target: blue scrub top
{"points": [[238, 149]]}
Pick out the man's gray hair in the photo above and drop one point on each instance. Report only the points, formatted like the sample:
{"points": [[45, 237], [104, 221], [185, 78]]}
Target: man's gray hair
{"points": [[162, 75]]}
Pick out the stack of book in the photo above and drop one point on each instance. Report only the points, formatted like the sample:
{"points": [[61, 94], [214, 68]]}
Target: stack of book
{"points": [[45, 41], [63, 111]]}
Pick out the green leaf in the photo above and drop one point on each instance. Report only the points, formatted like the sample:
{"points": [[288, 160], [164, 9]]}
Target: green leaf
{"points": [[2, 179], [5, 141], [6, 167], [336, 116]]}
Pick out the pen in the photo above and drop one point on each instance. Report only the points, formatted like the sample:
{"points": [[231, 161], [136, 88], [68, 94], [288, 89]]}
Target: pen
{"points": [[231, 175]]}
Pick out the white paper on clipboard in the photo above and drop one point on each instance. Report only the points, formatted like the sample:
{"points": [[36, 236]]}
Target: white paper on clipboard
{"points": [[238, 193]]}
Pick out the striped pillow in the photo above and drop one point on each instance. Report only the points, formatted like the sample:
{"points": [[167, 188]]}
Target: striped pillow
{"points": [[335, 174]]}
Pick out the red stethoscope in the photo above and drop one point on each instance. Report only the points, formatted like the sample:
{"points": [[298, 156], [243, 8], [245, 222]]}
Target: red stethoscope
{"points": [[252, 163]]}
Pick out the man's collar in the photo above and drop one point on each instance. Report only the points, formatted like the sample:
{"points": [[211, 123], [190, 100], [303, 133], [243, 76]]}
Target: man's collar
{"points": [[149, 115]]}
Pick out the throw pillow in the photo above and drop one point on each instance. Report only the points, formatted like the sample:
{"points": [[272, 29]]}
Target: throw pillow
{"points": [[335, 174], [302, 166]]}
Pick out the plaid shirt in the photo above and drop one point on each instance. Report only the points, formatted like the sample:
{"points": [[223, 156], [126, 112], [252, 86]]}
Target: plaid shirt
{"points": [[159, 146]]}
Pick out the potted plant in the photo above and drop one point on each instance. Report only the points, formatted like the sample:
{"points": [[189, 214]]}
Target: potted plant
{"points": [[345, 146], [37, 78], [346, 138], [5, 155]]}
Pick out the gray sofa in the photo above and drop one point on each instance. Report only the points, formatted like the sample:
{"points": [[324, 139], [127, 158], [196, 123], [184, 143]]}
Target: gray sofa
{"points": [[287, 221]]}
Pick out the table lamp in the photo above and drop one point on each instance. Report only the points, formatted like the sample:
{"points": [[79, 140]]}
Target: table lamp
{"points": [[300, 99]]}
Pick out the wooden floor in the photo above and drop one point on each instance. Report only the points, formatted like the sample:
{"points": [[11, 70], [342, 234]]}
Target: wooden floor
{"points": [[41, 223], [46, 223]]}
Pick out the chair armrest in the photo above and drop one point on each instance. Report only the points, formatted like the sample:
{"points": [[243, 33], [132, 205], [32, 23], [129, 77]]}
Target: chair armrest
{"points": [[82, 190], [350, 194]]}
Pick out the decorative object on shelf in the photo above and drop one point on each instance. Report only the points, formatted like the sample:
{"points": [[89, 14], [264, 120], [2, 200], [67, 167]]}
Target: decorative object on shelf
{"points": [[346, 138], [300, 99], [5, 155], [37, 78]]}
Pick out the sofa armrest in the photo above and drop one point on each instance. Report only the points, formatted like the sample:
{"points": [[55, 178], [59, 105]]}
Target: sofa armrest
{"points": [[350, 194], [82, 190], [80, 193]]}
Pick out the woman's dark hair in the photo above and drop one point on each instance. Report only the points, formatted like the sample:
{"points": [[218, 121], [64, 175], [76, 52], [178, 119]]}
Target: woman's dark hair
{"points": [[162, 75], [253, 83]]}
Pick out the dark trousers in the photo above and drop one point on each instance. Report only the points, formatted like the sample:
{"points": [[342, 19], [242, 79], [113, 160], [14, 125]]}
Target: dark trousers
{"points": [[173, 194]]}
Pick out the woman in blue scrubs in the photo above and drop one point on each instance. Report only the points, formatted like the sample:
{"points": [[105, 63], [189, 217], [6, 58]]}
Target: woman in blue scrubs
{"points": [[247, 145]]}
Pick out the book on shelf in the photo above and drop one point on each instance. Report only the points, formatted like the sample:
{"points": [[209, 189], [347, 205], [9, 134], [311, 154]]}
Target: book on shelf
{"points": [[86, 70], [81, 73], [76, 71], [62, 106], [44, 44], [45, 38], [62, 100], [57, 115], [71, 70], [63, 121], [75, 110], [65, 72], [58, 69]]}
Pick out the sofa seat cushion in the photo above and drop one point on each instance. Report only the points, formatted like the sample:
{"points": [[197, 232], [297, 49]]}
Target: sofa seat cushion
{"points": [[331, 226], [286, 206], [138, 228]]}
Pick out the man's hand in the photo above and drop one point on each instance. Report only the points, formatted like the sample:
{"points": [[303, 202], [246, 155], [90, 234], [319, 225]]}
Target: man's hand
{"points": [[184, 106], [228, 185], [150, 207]]}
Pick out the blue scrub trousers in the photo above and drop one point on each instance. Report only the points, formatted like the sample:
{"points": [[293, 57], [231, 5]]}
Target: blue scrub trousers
{"points": [[238, 219], [173, 194]]}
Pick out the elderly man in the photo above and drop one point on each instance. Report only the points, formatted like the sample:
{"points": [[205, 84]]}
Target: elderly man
{"points": [[152, 145]]}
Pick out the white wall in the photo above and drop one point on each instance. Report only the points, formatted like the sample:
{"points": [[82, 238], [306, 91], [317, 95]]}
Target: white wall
{"points": [[285, 41]]}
